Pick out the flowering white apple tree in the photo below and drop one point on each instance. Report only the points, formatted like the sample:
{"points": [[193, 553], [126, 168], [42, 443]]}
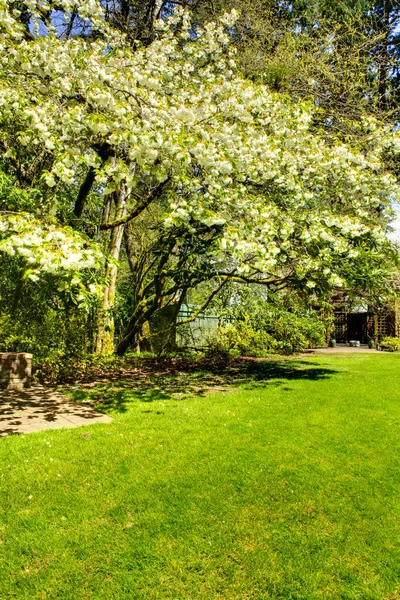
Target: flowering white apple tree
{"points": [[174, 124]]}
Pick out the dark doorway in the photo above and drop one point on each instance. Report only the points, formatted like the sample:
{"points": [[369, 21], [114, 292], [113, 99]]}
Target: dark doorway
{"points": [[357, 327]]}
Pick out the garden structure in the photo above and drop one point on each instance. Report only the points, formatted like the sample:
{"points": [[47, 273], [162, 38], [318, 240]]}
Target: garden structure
{"points": [[365, 323]]}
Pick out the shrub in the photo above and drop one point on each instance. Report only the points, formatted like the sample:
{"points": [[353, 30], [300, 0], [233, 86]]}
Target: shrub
{"points": [[52, 338], [243, 340], [391, 344], [271, 330]]}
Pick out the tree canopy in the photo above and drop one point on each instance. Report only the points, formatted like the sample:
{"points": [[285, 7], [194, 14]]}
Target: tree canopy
{"points": [[100, 133]]}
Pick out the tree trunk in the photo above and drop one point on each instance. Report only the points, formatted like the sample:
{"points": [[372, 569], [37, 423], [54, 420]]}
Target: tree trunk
{"points": [[143, 312], [130, 249], [105, 324]]}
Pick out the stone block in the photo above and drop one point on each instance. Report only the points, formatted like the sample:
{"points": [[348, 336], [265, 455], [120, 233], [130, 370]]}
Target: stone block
{"points": [[15, 370]]}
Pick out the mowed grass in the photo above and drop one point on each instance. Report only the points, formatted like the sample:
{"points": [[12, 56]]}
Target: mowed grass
{"points": [[286, 485]]}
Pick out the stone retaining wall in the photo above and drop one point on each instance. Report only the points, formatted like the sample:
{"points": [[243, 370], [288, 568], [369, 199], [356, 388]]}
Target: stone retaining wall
{"points": [[15, 370]]}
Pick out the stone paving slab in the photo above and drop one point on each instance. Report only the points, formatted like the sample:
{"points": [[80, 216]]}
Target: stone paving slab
{"points": [[40, 408]]}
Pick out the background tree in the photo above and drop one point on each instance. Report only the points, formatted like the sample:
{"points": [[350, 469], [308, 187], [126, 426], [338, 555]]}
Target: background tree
{"points": [[343, 55]]}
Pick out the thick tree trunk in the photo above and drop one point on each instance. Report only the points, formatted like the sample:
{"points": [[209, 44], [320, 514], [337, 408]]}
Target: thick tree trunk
{"points": [[143, 312], [105, 325], [141, 341], [130, 250], [131, 335], [139, 326]]}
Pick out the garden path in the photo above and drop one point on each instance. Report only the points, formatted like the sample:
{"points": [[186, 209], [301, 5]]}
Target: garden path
{"points": [[40, 408], [344, 348]]}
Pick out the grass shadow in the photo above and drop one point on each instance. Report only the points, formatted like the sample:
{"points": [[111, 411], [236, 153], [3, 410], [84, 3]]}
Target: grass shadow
{"points": [[179, 379]]}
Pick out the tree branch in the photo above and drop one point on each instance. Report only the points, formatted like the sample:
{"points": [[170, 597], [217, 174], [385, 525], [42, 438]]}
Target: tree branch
{"points": [[87, 184], [156, 193], [84, 191], [205, 305]]}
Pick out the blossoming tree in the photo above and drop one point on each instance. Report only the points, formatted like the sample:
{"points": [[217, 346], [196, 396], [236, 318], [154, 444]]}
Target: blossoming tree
{"points": [[175, 126]]}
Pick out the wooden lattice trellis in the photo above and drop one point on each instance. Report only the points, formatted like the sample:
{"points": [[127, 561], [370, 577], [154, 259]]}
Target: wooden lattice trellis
{"points": [[396, 319], [341, 327], [384, 325], [371, 326], [376, 326]]}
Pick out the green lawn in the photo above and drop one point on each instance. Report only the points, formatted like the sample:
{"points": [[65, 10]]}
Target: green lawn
{"points": [[286, 484]]}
